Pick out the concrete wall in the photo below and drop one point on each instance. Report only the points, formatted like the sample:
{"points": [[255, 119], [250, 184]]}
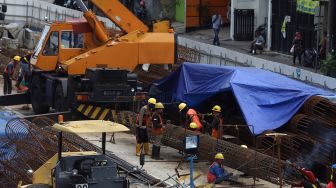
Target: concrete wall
{"points": [[33, 12], [260, 11], [222, 56]]}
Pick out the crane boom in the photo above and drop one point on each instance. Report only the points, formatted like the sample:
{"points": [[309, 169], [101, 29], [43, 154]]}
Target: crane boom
{"points": [[120, 15]]}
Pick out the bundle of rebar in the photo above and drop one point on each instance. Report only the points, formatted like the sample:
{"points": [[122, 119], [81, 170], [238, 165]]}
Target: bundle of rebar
{"points": [[320, 107]]}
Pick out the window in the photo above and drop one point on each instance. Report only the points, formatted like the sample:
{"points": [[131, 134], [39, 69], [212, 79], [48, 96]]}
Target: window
{"points": [[42, 39], [51, 48], [72, 40]]}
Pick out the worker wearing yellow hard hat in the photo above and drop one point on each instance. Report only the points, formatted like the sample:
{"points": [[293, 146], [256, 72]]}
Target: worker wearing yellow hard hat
{"points": [[217, 173], [189, 115], [217, 122], [143, 120], [9, 73], [157, 130]]}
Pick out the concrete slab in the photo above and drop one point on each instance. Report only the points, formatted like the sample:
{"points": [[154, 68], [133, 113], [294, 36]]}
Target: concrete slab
{"points": [[125, 149]]}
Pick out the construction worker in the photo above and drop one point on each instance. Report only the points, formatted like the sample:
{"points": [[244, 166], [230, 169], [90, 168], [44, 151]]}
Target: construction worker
{"points": [[217, 122], [217, 173], [332, 183], [308, 179], [8, 74], [24, 70], [157, 130], [193, 126], [143, 121], [190, 115]]}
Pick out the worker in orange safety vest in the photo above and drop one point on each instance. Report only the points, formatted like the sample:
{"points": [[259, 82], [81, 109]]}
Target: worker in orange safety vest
{"points": [[217, 122], [142, 123], [190, 115], [217, 173]]}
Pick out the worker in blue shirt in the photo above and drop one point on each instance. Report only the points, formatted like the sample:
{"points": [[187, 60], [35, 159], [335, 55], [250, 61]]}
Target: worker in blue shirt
{"points": [[216, 173], [9, 73]]}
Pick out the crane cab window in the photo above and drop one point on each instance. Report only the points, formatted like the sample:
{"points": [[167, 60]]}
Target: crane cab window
{"points": [[51, 47], [70, 39]]}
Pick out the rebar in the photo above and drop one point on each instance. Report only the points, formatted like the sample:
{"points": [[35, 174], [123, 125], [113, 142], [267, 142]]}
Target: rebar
{"points": [[321, 108]]}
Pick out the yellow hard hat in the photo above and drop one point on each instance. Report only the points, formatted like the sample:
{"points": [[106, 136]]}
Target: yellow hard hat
{"points": [[17, 58], [219, 156], [243, 146], [193, 125], [217, 108], [151, 101], [182, 106], [159, 106]]}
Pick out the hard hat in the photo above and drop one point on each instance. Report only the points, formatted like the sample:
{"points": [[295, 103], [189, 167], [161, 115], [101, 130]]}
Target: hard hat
{"points": [[182, 106], [17, 58], [159, 106], [219, 156], [193, 125], [217, 108], [152, 101], [243, 146]]}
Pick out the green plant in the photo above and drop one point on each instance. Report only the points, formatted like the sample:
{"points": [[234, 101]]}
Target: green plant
{"points": [[328, 66]]}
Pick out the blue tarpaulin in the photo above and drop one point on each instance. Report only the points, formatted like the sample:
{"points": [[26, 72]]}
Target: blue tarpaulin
{"points": [[268, 100]]}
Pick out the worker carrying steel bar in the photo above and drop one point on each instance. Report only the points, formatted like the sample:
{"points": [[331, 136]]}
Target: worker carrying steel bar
{"points": [[308, 179], [217, 173], [332, 183], [157, 130], [142, 123], [189, 115]]}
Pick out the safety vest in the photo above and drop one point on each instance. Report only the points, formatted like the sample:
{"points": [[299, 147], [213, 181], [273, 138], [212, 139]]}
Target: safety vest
{"points": [[145, 119], [194, 118], [157, 130], [211, 177], [218, 133]]}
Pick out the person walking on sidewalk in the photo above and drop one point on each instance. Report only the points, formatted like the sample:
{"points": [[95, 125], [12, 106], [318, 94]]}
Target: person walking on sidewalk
{"points": [[216, 24], [143, 121], [157, 130], [8, 74], [297, 48]]}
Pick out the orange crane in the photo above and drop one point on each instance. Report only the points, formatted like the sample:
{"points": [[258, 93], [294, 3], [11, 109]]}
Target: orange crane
{"points": [[77, 61]]}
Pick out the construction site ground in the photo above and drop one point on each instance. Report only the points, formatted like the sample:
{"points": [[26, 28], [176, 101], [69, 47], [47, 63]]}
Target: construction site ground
{"points": [[207, 35], [125, 149]]}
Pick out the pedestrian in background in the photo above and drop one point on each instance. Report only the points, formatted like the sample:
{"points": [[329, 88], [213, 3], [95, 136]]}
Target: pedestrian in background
{"points": [[8, 74], [217, 22], [297, 47]]}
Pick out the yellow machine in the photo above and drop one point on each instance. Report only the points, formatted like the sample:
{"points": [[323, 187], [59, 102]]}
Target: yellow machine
{"points": [[79, 60], [80, 169]]}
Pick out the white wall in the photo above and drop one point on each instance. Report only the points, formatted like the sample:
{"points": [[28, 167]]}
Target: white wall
{"points": [[260, 11], [33, 12]]}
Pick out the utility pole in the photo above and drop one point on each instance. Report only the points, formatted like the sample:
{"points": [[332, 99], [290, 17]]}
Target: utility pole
{"points": [[331, 24]]}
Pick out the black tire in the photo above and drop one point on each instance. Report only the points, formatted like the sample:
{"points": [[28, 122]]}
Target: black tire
{"points": [[60, 104], [38, 186], [36, 98]]}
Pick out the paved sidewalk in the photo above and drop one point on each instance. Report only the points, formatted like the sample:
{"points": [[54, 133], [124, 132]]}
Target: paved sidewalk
{"points": [[206, 36]]}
